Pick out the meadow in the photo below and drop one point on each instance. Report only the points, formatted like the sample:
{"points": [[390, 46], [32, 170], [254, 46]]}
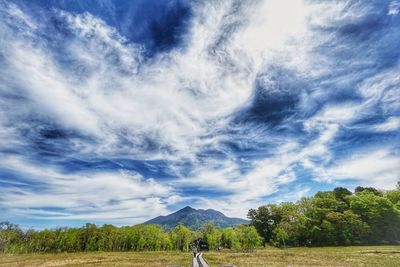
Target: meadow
{"points": [[321, 256]]}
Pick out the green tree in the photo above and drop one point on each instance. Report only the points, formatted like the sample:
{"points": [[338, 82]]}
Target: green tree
{"points": [[265, 219], [380, 214], [229, 238], [342, 194], [212, 236], [394, 197], [343, 228], [372, 190], [294, 223], [181, 238], [248, 237], [11, 238], [280, 237], [153, 238]]}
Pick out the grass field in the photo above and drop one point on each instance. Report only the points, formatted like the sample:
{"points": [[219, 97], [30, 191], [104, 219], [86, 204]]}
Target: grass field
{"points": [[327, 256]]}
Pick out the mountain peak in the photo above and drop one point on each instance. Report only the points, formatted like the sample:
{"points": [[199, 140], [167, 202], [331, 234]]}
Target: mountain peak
{"points": [[187, 208], [195, 218]]}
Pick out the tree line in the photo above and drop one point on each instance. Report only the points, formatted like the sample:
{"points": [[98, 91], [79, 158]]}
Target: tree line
{"points": [[338, 217], [128, 238]]}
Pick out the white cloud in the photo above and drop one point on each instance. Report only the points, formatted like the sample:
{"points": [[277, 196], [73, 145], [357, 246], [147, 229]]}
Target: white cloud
{"points": [[378, 168], [173, 105], [394, 8], [48, 89], [173, 100], [105, 196], [382, 89], [391, 124], [270, 175]]}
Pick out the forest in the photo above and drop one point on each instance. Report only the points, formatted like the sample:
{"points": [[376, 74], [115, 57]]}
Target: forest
{"points": [[337, 217], [128, 238]]}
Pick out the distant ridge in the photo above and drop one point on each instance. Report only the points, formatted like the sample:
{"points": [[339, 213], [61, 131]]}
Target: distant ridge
{"points": [[195, 219]]}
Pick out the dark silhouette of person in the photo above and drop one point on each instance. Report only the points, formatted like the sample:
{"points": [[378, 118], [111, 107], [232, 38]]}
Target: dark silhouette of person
{"points": [[194, 251]]}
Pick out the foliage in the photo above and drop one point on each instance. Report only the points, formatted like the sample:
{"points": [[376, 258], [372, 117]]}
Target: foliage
{"points": [[380, 214], [212, 236], [230, 239], [338, 217], [248, 237], [181, 238], [128, 238]]}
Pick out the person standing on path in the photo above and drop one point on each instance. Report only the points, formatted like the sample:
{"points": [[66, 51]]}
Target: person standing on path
{"points": [[194, 251]]}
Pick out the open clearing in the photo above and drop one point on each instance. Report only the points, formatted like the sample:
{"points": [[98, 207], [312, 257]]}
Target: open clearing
{"points": [[326, 256]]}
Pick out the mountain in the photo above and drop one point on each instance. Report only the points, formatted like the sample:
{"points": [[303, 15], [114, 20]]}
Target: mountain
{"points": [[195, 218]]}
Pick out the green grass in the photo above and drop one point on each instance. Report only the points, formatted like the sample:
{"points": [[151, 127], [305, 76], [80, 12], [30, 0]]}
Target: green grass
{"points": [[326, 256]]}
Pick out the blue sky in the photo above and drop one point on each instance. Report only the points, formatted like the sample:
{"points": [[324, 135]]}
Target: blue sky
{"points": [[116, 111]]}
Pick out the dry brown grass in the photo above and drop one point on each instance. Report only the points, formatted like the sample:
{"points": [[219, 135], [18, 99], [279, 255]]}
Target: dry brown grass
{"points": [[327, 256], [142, 259]]}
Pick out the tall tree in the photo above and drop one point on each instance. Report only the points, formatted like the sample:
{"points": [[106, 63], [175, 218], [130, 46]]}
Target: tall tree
{"points": [[380, 214], [265, 219]]}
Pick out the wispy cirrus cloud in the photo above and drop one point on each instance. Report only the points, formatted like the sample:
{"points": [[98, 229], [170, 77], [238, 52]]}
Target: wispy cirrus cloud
{"points": [[47, 194], [227, 102]]}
